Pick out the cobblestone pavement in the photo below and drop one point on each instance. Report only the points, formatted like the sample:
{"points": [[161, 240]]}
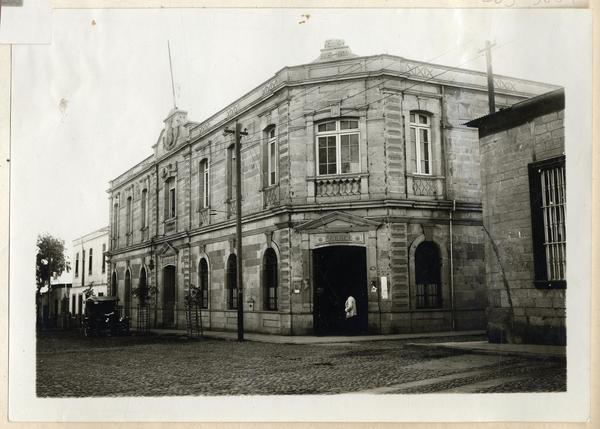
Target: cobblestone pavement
{"points": [[171, 365]]}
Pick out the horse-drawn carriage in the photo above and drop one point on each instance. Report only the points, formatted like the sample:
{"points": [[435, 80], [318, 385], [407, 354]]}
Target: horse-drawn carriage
{"points": [[102, 317]]}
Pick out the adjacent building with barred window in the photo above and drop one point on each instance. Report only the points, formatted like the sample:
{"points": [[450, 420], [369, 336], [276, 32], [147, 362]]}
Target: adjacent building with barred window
{"points": [[358, 178], [524, 211]]}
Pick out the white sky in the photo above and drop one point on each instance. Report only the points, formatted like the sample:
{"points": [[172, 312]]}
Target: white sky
{"points": [[114, 78]]}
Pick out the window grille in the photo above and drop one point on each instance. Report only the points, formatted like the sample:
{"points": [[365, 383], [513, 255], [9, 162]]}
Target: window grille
{"points": [[547, 186]]}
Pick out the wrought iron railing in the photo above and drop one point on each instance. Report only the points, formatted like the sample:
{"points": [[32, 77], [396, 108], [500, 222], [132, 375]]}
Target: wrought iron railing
{"points": [[231, 208], [271, 196], [426, 186], [204, 216]]}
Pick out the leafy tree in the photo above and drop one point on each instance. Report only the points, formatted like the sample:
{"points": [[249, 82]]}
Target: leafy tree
{"points": [[50, 258]]}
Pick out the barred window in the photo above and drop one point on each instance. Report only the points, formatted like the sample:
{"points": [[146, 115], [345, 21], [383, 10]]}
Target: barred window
{"points": [[547, 186]]}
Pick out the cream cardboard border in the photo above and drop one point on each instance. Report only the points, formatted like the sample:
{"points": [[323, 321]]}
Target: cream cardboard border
{"points": [[5, 58]]}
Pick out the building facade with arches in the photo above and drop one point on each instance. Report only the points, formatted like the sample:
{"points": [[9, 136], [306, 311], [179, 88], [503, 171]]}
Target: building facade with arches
{"points": [[358, 178]]}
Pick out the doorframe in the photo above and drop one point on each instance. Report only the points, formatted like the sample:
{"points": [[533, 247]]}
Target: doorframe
{"points": [[162, 288], [312, 279]]}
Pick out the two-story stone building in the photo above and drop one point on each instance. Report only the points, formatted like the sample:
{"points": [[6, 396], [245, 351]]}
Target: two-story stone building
{"points": [[358, 178]]}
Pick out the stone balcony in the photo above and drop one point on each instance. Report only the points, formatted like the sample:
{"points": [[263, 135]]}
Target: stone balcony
{"points": [[421, 185], [338, 185]]}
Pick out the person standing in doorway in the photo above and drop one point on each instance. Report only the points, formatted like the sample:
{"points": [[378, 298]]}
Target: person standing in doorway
{"points": [[350, 308]]}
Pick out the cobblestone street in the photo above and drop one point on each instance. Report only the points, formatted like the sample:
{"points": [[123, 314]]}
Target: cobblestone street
{"points": [[172, 365]]}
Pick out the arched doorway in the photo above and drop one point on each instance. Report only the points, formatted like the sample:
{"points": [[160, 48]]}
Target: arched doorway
{"points": [[113, 284], [168, 296], [270, 280], [143, 287], [127, 297], [428, 276], [338, 272], [231, 277]]}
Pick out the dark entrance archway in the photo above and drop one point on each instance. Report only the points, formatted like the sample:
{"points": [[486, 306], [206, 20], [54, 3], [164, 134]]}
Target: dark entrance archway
{"points": [[428, 276], [142, 287], [339, 271], [168, 296], [127, 294]]}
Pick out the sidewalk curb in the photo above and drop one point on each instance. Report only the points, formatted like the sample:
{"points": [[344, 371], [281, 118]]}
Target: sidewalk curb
{"points": [[549, 354], [304, 339]]}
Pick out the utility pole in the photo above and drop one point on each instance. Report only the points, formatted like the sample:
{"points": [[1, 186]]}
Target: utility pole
{"points": [[490, 75], [238, 226]]}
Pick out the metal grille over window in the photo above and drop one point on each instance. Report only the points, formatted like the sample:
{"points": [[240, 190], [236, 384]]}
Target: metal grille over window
{"points": [[553, 210]]}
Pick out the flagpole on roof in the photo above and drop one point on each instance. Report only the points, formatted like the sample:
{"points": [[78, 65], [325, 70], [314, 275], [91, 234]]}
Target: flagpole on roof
{"points": [[171, 68]]}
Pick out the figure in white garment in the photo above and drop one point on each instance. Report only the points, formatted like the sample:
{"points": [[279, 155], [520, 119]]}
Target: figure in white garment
{"points": [[350, 308]]}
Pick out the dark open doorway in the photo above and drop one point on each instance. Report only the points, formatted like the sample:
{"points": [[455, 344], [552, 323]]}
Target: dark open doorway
{"points": [[127, 294], [168, 313], [338, 272]]}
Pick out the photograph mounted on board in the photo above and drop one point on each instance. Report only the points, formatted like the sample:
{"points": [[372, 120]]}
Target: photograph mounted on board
{"points": [[366, 216]]}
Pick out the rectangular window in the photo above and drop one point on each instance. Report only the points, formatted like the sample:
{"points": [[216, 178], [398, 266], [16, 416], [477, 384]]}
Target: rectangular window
{"points": [[144, 213], [77, 264], [172, 202], [338, 152], [327, 155], [349, 153], [547, 187], [420, 139], [129, 216], [231, 183], [103, 258], [272, 171], [115, 231], [90, 263], [203, 184]]}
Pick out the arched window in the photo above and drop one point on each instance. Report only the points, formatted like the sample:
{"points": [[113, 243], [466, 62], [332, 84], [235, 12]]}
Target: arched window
{"points": [[428, 278], [143, 287], [127, 293], [203, 282], [420, 139], [270, 279], [231, 276]]}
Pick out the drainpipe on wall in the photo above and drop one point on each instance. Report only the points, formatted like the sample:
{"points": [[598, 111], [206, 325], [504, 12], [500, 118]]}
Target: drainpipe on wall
{"points": [[452, 266]]}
